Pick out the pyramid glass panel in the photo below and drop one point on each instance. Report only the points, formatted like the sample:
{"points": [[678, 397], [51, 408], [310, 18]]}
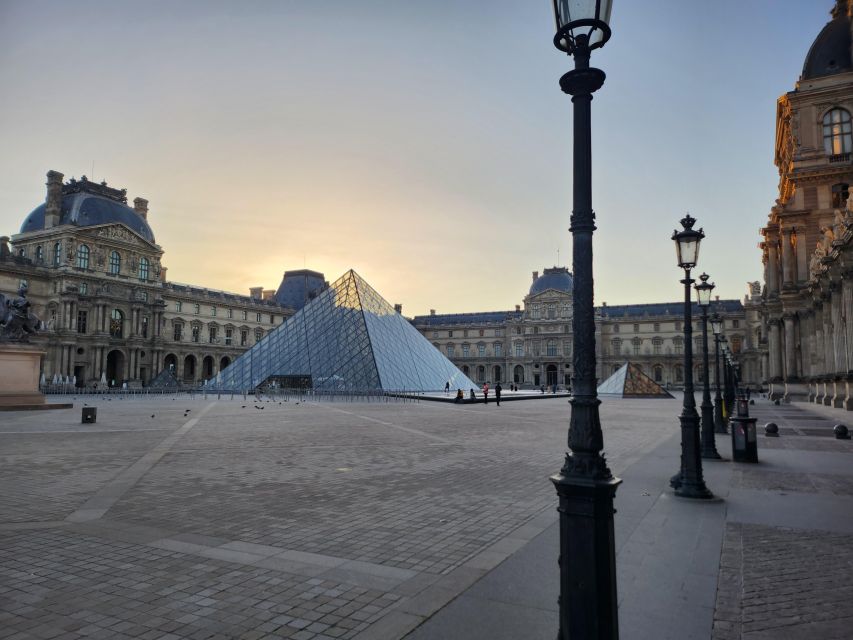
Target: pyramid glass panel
{"points": [[347, 338]]}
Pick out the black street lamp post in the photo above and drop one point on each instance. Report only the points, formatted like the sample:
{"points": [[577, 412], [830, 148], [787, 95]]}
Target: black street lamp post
{"points": [[688, 483], [728, 389], [709, 447], [585, 485], [717, 328]]}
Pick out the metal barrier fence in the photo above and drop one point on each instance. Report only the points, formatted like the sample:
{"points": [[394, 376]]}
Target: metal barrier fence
{"points": [[259, 395]]}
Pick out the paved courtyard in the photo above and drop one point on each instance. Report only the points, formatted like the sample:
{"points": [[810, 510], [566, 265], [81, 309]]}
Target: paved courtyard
{"points": [[180, 518], [202, 518]]}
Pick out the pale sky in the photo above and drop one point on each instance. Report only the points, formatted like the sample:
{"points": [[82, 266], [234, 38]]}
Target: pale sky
{"points": [[427, 145]]}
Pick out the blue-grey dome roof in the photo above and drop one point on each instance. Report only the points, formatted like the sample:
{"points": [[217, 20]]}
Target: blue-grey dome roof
{"points": [[557, 278], [87, 209], [298, 287], [830, 52]]}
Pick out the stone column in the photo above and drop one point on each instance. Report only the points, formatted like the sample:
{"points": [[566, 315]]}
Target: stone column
{"points": [[788, 267], [775, 350], [819, 367], [772, 267]]}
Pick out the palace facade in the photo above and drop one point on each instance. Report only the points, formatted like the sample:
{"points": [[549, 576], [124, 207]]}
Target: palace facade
{"points": [[531, 345], [96, 278], [807, 299]]}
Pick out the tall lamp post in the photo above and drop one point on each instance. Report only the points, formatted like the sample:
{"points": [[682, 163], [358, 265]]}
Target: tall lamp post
{"points": [[709, 447], [717, 328], [585, 485], [728, 390], [688, 483]]}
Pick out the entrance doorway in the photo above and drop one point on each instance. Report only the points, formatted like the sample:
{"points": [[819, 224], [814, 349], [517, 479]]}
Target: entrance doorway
{"points": [[189, 368], [115, 368], [207, 367], [518, 374], [80, 375], [551, 375]]}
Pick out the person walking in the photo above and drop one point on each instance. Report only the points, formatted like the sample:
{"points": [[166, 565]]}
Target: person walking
{"points": [[486, 393], [446, 387], [498, 390]]}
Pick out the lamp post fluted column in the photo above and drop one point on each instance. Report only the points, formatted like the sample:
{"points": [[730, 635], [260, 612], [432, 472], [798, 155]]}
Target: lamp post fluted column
{"points": [[689, 483], [584, 484], [709, 445], [719, 423]]}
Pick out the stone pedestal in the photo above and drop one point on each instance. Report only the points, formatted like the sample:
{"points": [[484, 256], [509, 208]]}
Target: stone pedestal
{"points": [[20, 364]]}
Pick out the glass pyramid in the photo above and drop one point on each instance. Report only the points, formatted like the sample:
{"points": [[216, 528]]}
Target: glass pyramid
{"points": [[630, 382], [348, 338]]}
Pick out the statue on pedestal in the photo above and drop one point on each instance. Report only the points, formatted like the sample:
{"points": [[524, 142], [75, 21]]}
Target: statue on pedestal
{"points": [[17, 322]]}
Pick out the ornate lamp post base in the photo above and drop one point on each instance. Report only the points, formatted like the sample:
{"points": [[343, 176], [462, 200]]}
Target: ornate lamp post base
{"points": [[587, 557]]}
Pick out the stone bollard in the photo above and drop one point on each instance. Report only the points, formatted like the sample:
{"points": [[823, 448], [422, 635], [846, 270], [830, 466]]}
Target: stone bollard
{"points": [[841, 432], [771, 430]]}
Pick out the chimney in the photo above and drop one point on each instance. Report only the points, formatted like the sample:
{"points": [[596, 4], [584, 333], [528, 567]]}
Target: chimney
{"points": [[4, 247], [268, 294], [53, 202], [256, 292], [163, 273], [432, 312], [140, 205], [535, 275], [398, 308], [517, 308]]}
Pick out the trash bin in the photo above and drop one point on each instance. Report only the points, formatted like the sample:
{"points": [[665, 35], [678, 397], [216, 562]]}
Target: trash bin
{"points": [[89, 415], [744, 440]]}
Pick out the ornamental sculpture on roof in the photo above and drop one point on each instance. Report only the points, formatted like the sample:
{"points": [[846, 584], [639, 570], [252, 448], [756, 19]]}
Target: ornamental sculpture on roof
{"points": [[17, 322]]}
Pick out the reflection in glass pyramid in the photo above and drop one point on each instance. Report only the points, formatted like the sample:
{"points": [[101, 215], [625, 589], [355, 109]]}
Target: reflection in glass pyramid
{"points": [[347, 338]]}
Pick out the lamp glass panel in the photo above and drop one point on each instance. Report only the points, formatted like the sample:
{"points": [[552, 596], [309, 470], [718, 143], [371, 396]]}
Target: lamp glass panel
{"points": [[566, 11], [716, 325], [688, 251], [703, 294]]}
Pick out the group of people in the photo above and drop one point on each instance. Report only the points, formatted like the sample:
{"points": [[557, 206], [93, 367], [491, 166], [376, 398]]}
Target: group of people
{"points": [[460, 397]]}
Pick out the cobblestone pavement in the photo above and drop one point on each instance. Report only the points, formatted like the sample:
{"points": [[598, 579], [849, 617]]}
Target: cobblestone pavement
{"points": [[178, 518], [791, 582]]}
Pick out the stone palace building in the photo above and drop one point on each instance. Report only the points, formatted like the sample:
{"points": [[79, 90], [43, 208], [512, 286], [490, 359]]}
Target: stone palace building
{"points": [[807, 300], [532, 345], [96, 278]]}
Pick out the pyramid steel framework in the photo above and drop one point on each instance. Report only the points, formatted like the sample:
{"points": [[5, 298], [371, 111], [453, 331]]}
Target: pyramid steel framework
{"points": [[630, 382], [347, 338]]}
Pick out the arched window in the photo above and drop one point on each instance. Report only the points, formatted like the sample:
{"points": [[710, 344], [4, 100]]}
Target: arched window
{"points": [[116, 324], [837, 132], [481, 373], [657, 370], [636, 342], [143, 268], [657, 343], [57, 254], [39, 254], [678, 344], [115, 262], [83, 257], [518, 374], [451, 351], [679, 373]]}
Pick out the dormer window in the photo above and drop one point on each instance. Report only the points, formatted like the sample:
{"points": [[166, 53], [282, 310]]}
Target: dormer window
{"points": [[837, 132]]}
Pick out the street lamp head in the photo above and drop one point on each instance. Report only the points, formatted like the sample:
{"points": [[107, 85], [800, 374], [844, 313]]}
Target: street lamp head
{"points": [[581, 23], [703, 291], [716, 324], [687, 242]]}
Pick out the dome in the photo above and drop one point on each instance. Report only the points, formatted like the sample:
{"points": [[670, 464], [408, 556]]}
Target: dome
{"points": [[830, 52], [557, 278], [298, 287], [83, 208]]}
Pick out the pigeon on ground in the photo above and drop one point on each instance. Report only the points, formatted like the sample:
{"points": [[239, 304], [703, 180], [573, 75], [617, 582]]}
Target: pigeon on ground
{"points": [[152, 415], [243, 407]]}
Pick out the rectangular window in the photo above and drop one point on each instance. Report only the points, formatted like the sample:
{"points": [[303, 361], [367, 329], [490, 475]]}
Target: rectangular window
{"points": [[84, 288], [178, 329], [212, 335], [535, 347], [615, 328], [230, 313], [518, 331], [451, 352], [196, 334], [449, 334], [82, 316], [272, 319], [498, 350], [481, 350], [465, 333], [144, 326], [636, 328], [435, 334], [735, 324], [657, 326], [519, 350], [482, 332], [466, 351], [258, 334], [499, 332], [228, 334], [678, 326], [213, 311], [567, 348], [245, 315], [257, 317], [244, 337], [178, 306], [197, 309]]}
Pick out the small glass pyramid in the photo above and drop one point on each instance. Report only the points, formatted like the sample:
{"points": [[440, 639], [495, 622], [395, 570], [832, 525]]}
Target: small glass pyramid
{"points": [[348, 338], [629, 381]]}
